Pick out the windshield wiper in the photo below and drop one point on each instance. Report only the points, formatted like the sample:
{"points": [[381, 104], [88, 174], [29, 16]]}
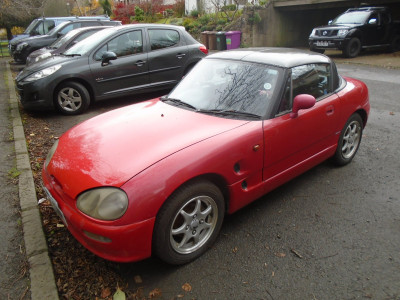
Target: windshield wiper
{"points": [[225, 112], [178, 102]]}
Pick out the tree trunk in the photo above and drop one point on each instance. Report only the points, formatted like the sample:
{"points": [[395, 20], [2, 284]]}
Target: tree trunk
{"points": [[9, 34]]}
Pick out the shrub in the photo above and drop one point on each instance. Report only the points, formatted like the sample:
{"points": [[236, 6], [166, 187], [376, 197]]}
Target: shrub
{"points": [[194, 13], [204, 19]]}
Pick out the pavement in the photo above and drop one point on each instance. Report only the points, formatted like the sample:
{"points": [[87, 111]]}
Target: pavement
{"points": [[42, 280]]}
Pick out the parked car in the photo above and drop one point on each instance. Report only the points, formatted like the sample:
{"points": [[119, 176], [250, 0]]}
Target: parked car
{"points": [[157, 177], [117, 61], [41, 26], [20, 49], [63, 43], [357, 29]]}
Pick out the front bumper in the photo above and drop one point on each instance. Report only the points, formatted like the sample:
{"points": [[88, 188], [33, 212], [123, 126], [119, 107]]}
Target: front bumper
{"points": [[36, 95], [324, 43], [120, 243]]}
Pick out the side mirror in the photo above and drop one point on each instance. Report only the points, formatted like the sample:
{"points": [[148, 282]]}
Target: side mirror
{"points": [[329, 22], [302, 101], [107, 56], [372, 21]]}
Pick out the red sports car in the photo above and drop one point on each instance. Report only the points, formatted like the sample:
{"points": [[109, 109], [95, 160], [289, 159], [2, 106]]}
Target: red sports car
{"points": [[157, 177]]}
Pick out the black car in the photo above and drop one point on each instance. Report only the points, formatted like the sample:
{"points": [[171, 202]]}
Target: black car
{"points": [[117, 61], [63, 43], [357, 29], [20, 49]]}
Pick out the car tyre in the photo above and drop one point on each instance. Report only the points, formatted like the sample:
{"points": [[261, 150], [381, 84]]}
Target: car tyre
{"points": [[395, 45], [353, 48], [349, 140], [188, 222], [71, 98]]}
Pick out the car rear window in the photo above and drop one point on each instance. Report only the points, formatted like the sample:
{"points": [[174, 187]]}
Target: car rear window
{"points": [[163, 38]]}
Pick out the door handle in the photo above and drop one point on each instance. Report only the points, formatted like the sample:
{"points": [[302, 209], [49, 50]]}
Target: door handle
{"points": [[140, 63], [180, 55], [329, 110]]}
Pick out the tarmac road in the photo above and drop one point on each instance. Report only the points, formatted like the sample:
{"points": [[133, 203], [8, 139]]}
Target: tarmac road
{"points": [[332, 233]]}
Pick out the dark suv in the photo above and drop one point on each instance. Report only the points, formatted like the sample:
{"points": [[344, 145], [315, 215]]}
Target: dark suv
{"points": [[20, 49], [357, 29]]}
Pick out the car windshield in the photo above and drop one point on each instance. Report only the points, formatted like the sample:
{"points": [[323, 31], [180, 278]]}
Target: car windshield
{"points": [[60, 41], [91, 42], [228, 88], [31, 26], [55, 29], [355, 17]]}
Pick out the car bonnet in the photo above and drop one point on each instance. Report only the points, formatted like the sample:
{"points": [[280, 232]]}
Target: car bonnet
{"points": [[111, 148], [43, 64]]}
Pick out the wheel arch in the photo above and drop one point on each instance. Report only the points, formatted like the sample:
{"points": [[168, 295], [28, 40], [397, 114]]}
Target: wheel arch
{"points": [[78, 80], [214, 178], [364, 116]]}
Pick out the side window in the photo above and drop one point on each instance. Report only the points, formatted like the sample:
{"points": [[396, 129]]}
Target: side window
{"points": [[373, 19], [385, 18], [125, 44], [163, 38], [312, 79], [44, 27]]}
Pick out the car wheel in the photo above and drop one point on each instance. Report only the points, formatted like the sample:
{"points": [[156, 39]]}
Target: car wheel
{"points": [[188, 223], [72, 98], [353, 48], [395, 45], [349, 140]]}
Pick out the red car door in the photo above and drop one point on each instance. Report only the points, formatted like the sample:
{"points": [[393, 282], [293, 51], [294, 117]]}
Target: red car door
{"points": [[293, 145]]}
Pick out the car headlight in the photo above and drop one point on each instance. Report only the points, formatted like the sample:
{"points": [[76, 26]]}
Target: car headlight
{"points": [[50, 154], [42, 56], [312, 32], [107, 203], [42, 73], [342, 32], [21, 46]]}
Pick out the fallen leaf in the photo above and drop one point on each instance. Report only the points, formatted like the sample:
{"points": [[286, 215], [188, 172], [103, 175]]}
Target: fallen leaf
{"points": [[155, 293], [279, 254], [138, 279], [391, 113], [60, 225], [296, 253], [119, 295], [234, 250], [105, 293], [187, 287]]}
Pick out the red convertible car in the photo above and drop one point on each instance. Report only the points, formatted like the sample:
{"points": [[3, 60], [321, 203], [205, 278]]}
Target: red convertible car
{"points": [[157, 177]]}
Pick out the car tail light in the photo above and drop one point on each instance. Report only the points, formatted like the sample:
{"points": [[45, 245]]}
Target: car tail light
{"points": [[203, 49]]}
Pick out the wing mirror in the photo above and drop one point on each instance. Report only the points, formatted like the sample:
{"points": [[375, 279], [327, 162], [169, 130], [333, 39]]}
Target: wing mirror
{"points": [[106, 57], [329, 22], [373, 21], [302, 101]]}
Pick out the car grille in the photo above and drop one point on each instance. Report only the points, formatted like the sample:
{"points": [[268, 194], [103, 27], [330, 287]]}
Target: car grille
{"points": [[12, 47], [326, 32]]}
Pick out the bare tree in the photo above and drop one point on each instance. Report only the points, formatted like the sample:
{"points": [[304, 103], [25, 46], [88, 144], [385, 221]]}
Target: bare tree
{"points": [[19, 13], [222, 6]]}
